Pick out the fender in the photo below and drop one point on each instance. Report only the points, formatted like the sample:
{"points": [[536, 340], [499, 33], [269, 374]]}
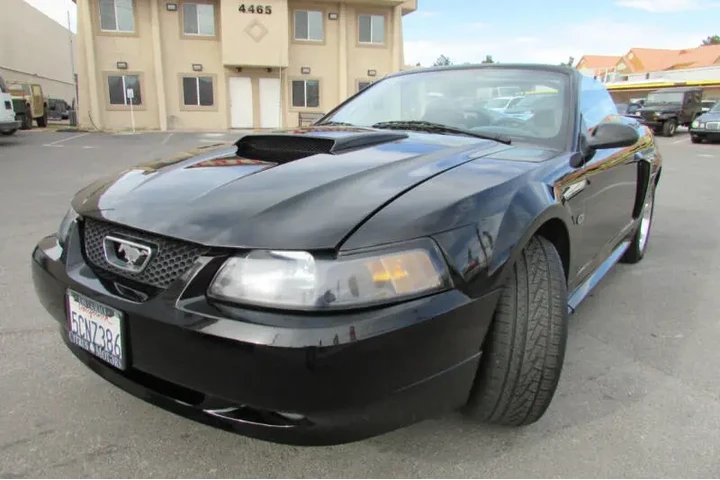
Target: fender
{"points": [[504, 258]]}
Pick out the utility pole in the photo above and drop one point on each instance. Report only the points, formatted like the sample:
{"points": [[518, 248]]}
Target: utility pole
{"points": [[73, 113]]}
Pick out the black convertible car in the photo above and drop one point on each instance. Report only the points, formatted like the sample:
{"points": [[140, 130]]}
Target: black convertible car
{"points": [[407, 255]]}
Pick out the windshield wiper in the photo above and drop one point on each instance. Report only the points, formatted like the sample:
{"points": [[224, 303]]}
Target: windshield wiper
{"points": [[438, 128]]}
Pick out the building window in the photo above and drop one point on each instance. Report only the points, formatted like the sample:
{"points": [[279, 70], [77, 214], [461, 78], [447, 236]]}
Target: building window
{"points": [[117, 16], [199, 19], [371, 28], [118, 86], [306, 93], [363, 85], [308, 25], [198, 92]]}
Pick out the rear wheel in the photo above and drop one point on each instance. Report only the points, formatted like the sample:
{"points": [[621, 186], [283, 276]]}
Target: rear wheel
{"points": [[9, 132], [669, 127], [636, 250], [524, 351]]}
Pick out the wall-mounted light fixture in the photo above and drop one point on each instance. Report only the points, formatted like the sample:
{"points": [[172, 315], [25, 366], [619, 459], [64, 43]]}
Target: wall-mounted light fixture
{"points": [[305, 70], [121, 65], [333, 16], [197, 67], [371, 73], [171, 7]]}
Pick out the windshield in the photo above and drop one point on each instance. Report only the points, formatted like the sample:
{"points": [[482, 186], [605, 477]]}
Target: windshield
{"points": [[18, 88], [665, 97], [454, 98], [622, 108], [716, 108]]}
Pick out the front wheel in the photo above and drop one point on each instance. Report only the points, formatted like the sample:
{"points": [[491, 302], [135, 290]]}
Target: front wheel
{"points": [[669, 127], [638, 245], [27, 119], [524, 351], [9, 132], [695, 139]]}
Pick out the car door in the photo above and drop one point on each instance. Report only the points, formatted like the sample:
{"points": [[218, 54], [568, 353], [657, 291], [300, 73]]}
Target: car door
{"points": [[37, 101], [611, 180]]}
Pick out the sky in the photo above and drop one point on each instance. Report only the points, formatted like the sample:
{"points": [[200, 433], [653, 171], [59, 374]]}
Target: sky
{"points": [[545, 31], [550, 31], [58, 11]]}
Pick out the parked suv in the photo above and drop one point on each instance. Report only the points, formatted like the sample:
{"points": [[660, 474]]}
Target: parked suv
{"points": [[8, 123], [668, 108]]}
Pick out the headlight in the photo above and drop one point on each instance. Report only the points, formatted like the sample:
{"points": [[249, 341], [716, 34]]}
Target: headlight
{"points": [[301, 281], [695, 124], [64, 228]]}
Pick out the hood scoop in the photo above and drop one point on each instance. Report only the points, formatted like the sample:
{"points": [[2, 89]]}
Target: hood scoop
{"points": [[283, 148]]}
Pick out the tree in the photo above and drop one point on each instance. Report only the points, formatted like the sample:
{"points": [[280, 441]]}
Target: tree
{"points": [[441, 61], [711, 40], [488, 59], [570, 62]]}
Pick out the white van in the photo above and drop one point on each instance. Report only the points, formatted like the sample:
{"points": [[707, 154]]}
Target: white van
{"points": [[8, 123]]}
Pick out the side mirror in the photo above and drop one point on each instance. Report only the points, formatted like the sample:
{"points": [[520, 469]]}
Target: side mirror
{"points": [[612, 135]]}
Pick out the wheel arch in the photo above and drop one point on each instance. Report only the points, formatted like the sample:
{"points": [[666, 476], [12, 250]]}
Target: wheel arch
{"points": [[552, 224]]}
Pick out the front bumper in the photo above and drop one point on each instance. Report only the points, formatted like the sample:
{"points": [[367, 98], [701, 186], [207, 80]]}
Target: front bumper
{"points": [[705, 133], [10, 125], [341, 379], [655, 122]]}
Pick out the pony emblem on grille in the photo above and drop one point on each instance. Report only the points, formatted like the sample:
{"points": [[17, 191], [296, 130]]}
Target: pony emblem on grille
{"points": [[126, 255]]}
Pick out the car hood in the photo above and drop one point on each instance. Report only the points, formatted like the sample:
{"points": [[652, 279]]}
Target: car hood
{"points": [[709, 117], [300, 189], [660, 108]]}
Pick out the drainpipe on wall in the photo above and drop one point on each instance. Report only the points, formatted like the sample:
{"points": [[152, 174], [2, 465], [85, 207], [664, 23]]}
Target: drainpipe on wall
{"points": [[342, 54], [158, 65], [88, 40]]}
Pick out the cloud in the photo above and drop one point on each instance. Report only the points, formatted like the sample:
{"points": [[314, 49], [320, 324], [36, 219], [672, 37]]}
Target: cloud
{"points": [[667, 6], [424, 13], [597, 37]]}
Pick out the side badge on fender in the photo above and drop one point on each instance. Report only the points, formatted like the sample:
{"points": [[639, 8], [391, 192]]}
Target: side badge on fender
{"points": [[574, 189]]}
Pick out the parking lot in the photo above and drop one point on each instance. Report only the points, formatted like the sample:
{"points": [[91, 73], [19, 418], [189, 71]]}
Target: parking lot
{"points": [[639, 396]]}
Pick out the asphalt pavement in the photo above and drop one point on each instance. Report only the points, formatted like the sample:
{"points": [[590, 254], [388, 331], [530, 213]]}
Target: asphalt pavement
{"points": [[639, 395]]}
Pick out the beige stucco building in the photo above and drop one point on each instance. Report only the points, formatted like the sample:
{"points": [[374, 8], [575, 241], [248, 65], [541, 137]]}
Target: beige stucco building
{"points": [[220, 64], [35, 48]]}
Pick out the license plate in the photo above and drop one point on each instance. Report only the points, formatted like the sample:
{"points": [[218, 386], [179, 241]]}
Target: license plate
{"points": [[96, 328]]}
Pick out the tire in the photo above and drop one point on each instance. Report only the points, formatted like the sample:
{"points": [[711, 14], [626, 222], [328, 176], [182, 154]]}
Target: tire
{"points": [[638, 246], [43, 121], [9, 132], [696, 139], [524, 351], [669, 127]]}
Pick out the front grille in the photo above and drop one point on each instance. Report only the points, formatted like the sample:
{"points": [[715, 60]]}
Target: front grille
{"points": [[713, 125], [171, 259]]}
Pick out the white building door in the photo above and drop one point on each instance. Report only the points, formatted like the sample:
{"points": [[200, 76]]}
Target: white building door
{"points": [[270, 103], [241, 102]]}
